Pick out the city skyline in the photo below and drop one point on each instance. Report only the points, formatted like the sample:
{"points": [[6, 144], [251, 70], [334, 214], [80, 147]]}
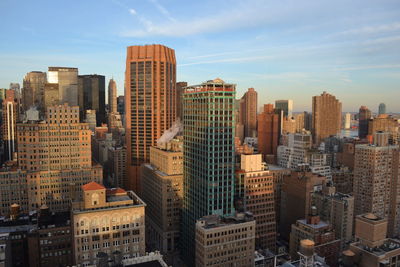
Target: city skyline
{"points": [[295, 52]]}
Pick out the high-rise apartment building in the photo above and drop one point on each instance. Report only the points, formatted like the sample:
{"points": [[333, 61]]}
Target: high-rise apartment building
{"points": [[9, 124], [269, 130], [376, 182], [107, 223], [67, 80], [112, 96], [382, 109], [33, 89], [209, 159], [297, 192], [150, 103], [248, 110], [92, 95], [364, 114], [347, 121], [226, 241], [326, 117], [286, 106], [162, 191], [179, 95], [255, 191]]}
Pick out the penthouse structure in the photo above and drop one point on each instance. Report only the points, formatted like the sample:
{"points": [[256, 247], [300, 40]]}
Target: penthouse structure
{"points": [[107, 224]]}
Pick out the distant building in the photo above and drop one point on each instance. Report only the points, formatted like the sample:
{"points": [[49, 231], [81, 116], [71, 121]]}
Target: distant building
{"points": [[92, 95], [326, 117], [342, 178], [150, 103], [117, 165], [67, 80], [179, 92], [9, 124], [248, 110], [90, 119], [382, 109], [109, 221], [51, 95], [121, 104], [255, 192], [347, 121], [162, 191], [112, 96], [364, 114], [33, 89], [286, 106], [224, 241], [269, 130], [385, 123]]}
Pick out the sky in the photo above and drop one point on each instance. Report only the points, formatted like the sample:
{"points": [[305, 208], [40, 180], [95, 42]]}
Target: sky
{"points": [[287, 49]]}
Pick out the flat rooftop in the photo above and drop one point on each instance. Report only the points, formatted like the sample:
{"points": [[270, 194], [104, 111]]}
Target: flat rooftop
{"points": [[215, 221], [388, 246], [320, 224]]}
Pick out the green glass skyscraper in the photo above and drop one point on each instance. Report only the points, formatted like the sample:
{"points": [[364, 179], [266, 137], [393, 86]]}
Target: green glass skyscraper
{"points": [[208, 112]]}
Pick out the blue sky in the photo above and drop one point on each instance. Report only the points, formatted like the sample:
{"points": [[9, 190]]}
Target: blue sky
{"points": [[286, 49]]}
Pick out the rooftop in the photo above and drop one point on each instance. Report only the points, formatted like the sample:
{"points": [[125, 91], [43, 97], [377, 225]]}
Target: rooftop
{"points": [[388, 246], [92, 186], [319, 225], [215, 221]]}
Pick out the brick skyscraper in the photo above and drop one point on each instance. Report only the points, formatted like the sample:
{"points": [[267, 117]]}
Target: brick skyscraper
{"points": [[150, 103], [364, 114], [269, 128], [248, 110], [326, 117], [208, 156]]}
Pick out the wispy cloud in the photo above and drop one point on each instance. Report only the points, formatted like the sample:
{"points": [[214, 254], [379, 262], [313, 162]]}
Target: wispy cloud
{"points": [[132, 11], [383, 28], [163, 10], [369, 67], [230, 59]]}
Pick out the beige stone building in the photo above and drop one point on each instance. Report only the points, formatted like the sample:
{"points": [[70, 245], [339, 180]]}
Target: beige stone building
{"points": [[255, 191], [225, 241], [326, 117], [372, 248], [385, 123], [162, 190], [376, 183], [110, 221]]}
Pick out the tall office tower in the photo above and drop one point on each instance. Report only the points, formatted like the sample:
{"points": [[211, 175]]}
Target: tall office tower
{"points": [[382, 109], [150, 103], [300, 121], [269, 129], [67, 79], [321, 232], [92, 95], [255, 192], [248, 112], [307, 121], [326, 117], [121, 104], [364, 114], [297, 192], [225, 241], [51, 95], [56, 156], [107, 223], [286, 106], [112, 96], [385, 123], [179, 94], [376, 182], [117, 166], [208, 156], [338, 209], [33, 89], [347, 121], [18, 96], [9, 124], [162, 191]]}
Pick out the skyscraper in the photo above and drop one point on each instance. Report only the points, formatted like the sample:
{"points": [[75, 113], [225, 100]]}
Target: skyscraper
{"points": [[364, 114], [67, 79], [33, 89], [269, 128], [326, 117], [248, 110], [347, 121], [91, 95], [382, 108], [112, 96], [179, 92], [150, 106], [286, 106], [208, 156]]}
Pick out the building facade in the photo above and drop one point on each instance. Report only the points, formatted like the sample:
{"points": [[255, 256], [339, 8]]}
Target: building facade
{"points": [[92, 95], [248, 110], [150, 103], [67, 80], [269, 130], [364, 114], [33, 89], [9, 125]]}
